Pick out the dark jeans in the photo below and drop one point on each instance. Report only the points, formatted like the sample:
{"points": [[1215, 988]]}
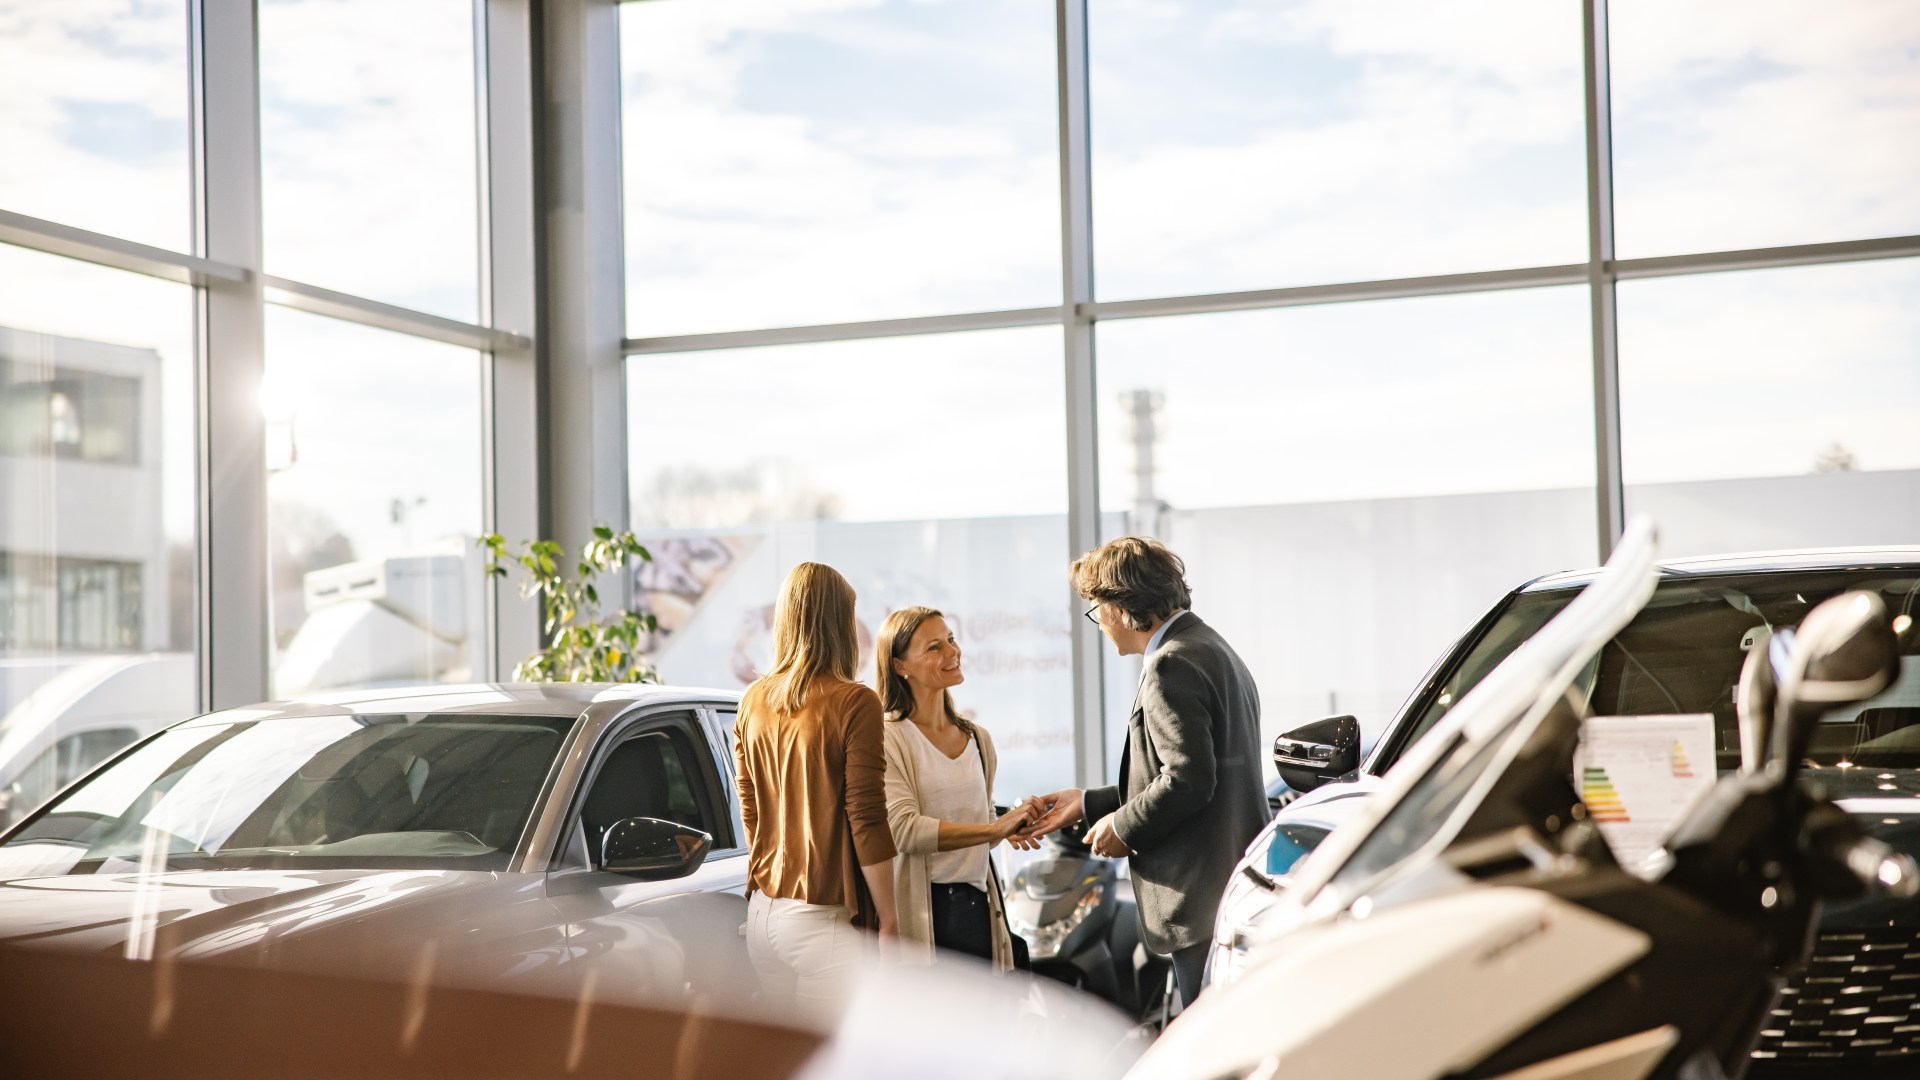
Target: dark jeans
{"points": [[1189, 967], [962, 921]]}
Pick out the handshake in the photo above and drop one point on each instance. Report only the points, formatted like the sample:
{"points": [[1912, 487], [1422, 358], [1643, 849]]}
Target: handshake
{"points": [[1034, 817]]}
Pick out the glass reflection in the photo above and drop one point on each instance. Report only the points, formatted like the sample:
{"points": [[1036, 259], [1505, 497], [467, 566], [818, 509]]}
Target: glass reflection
{"points": [[96, 517], [369, 165], [837, 160], [1248, 144], [1773, 408], [1330, 473], [93, 117], [928, 470], [374, 500], [1772, 122]]}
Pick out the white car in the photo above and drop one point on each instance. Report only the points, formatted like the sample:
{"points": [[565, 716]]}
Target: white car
{"points": [[1681, 654]]}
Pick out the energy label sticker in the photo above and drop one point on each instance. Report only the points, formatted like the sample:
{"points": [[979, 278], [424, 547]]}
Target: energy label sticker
{"points": [[1639, 775]]}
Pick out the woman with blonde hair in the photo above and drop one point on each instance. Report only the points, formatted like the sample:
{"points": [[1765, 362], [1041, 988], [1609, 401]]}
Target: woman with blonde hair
{"points": [[940, 797], [812, 796]]}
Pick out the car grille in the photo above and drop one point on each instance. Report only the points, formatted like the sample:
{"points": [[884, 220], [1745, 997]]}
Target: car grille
{"points": [[1859, 998]]}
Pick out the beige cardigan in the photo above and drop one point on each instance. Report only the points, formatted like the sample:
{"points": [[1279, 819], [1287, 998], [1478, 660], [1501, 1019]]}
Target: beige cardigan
{"points": [[917, 836]]}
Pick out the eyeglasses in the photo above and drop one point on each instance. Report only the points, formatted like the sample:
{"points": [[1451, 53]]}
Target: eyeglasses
{"points": [[1093, 614]]}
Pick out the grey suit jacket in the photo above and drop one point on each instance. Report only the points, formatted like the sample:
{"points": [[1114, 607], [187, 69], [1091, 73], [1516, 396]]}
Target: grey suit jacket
{"points": [[1190, 797]]}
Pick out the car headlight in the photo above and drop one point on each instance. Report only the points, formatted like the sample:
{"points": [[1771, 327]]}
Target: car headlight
{"points": [[1044, 942], [1240, 928]]}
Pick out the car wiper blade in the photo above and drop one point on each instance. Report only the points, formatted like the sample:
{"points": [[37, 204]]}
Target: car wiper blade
{"points": [[1260, 879]]}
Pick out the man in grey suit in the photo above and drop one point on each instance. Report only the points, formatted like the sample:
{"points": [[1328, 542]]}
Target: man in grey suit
{"points": [[1190, 797]]}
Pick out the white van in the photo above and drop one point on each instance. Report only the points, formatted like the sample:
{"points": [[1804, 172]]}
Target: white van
{"points": [[84, 715]]}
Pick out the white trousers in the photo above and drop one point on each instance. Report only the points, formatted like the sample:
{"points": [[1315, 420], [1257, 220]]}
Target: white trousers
{"points": [[808, 954]]}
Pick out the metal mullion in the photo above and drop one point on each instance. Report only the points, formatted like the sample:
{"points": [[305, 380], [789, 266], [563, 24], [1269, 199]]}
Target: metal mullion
{"points": [[1890, 247], [1076, 318], [1535, 277], [875, 328], [1609, 489], [234, 628], [54, 238], [358, 309], [1344, 292]]}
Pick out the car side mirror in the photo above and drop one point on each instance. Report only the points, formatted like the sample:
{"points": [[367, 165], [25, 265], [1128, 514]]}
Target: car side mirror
{"points": [[1318, 752], [653, 850]]}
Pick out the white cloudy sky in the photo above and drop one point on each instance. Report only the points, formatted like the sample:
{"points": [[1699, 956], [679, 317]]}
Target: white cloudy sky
{"points": [[795, 161], [368, 133], [369, 151], [940, 426]]}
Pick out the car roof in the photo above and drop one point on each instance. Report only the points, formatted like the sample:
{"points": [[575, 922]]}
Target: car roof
{"points": [[1755, 562], [525, 699]]}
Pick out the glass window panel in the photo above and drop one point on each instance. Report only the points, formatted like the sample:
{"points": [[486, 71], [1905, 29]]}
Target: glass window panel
{"points": [[375, 444], [1771, 122], [368, 149], [879, 458], [1773, 408], [94, 98], [97, 436], [1248, 144], [1351, 485], [837, 160]]}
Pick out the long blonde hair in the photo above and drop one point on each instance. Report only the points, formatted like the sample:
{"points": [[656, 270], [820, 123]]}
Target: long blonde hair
{"points": [[813, 634], [896, 693]]}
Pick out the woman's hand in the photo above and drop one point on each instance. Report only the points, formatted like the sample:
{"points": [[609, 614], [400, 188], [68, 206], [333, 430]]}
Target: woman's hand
{"points": [[1009, 824]]}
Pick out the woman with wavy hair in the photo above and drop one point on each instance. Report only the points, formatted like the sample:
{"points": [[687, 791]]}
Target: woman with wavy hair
{"points": [[812, 797], [940, 797]]}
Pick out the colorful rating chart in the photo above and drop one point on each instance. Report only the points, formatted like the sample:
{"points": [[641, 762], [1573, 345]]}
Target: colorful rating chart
{"points": [[1638, 778], [1603, 802], [1680, 766]]}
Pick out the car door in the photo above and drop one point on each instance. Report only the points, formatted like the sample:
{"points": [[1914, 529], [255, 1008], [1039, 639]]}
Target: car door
{"points": [[649, 938]]}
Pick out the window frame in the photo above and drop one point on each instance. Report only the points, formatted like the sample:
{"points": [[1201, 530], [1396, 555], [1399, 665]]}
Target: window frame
{"points": [[683, 720]]}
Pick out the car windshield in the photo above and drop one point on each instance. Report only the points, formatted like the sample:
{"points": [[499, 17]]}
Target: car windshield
{"points": [[1683, 652], [1441, 779], [449, 791]]}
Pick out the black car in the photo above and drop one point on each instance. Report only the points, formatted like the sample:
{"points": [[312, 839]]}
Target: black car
{"points": [[1859, 999]]}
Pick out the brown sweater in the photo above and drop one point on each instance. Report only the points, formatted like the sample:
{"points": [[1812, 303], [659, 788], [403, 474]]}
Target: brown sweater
{"points": [[813, 793]]}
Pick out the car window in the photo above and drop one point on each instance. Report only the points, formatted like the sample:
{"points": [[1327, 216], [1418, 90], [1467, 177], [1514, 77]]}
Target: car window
{"points": [[1288, 844], [372, 791], [656, 773], [59, 765], [1684, 651], [1525, 616]]}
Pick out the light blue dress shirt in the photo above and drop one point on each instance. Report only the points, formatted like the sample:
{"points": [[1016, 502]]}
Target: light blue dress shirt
{"points": [[1158, 636]]}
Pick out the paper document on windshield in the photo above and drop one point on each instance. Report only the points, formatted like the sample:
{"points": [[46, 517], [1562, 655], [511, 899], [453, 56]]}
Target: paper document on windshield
{"points": [[1639, 775]]}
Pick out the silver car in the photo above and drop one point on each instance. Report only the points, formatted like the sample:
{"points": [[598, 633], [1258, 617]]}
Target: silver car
{"points": [[555, 838]]}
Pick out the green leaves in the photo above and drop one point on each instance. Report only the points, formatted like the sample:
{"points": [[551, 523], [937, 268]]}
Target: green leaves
{"points": [[582, 644]]}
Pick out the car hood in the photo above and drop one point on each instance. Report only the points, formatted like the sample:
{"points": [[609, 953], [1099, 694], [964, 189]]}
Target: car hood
{"points": [[348, 920], [1332, 804]]}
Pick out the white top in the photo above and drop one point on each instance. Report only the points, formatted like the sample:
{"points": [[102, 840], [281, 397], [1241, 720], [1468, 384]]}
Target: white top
{"points": [[953, 789]]}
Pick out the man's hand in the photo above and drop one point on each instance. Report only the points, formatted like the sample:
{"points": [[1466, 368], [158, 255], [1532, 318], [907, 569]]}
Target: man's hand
{"points": [[1055, 811], [1012, 825], [1104, 841]]}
